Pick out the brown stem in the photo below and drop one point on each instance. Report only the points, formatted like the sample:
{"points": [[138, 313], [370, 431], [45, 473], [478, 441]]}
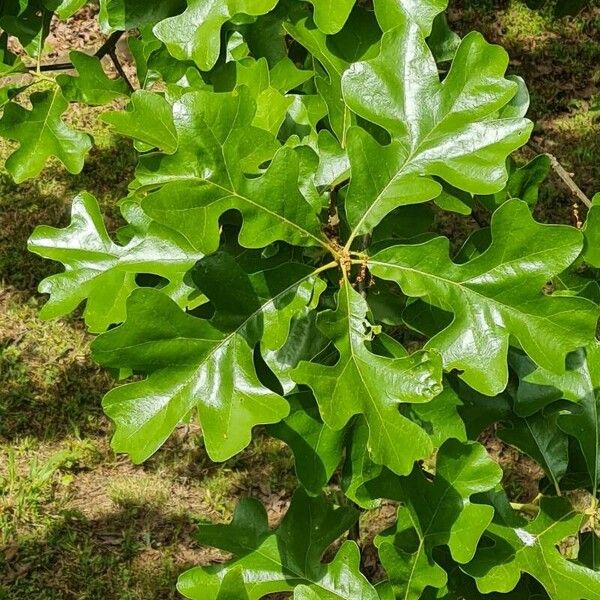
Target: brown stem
{"points": [[109, 45], [108, 48], [563, 174], [364, 278], [354, 533], [119, 68]]}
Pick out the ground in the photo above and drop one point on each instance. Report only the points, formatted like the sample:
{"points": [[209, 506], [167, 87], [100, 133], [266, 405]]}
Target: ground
{"points": [[78, 522]]}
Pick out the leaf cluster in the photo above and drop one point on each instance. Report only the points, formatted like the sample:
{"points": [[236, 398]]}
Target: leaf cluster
{"points": [[280, 268]]}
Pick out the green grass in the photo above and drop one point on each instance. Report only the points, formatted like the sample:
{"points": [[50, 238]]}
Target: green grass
{"points": [[78, 522]]}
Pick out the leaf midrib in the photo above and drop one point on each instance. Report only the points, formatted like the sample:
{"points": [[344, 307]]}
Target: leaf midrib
{"points": [[461, 285]]}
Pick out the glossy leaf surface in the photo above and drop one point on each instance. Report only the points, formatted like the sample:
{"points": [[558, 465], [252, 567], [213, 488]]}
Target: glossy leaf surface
{"points": [[206, 365], [103, 273], [215, 129], [195, 33], [364, 383], [42, 133], [288, 267], [436, 513], [531, 548], [449, 129], [497, 294], [91, 85], [285, 559]]}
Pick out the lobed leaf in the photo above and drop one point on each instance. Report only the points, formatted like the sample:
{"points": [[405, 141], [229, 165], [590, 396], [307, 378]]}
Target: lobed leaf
{"points": [[531, 548], [42, 133], [195, 33], [92, 85], [449, 129], [286, 559], [497, 295], [207, 175], [148, 120], [436, 511], [204, 365], [364, 383], [102, 273]]}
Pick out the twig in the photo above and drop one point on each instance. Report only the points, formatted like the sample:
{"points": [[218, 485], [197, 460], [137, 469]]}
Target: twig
{"points": [[119, 68], [363, 279], [109, 45], [106, 49], [563, 174], [54, 67]]}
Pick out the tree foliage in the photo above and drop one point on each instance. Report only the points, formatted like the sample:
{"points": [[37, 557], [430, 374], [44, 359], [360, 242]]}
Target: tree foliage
{"points": [[278, 270]]}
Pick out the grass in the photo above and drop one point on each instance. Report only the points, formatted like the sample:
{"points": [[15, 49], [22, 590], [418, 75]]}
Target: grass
{"points": [[78, 522]]}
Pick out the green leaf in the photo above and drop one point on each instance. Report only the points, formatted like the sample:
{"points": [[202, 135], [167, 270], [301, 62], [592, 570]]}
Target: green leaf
{"points": [[67, 8], [579, 384], [364, 383], [28, 21], [591, 230], [583, 421], [91, 86], [589, 550], [207, 176], [271, 104], [195, 34], [286, 76], [102, 273], [422, 12], [194, 363], [538, 437], [359, 39], [331, 15], [442, 40], [457, 137], [149, 119], [233, 587], [42, 133], [435, 513], [317, 448], [496, 295], [519, 547], [523, 182], [358, 468], [305, 342], [131, 14], [538, 388], [285, 559], [440, 418], [10, 63]]}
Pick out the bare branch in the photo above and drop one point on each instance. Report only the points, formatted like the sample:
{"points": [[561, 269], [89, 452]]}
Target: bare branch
{"points": [[106, 49], [563, 174], [119, 68]]}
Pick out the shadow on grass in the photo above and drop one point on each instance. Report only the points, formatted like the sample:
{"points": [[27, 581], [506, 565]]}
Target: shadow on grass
{"points": [[560, 62], [58, 400], [132, 553]]}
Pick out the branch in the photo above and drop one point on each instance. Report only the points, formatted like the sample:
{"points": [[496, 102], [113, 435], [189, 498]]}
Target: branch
{"points": [[364, 279], [109, 45], [563, 174], [108, 48], [119, 68], [54, 67]]}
